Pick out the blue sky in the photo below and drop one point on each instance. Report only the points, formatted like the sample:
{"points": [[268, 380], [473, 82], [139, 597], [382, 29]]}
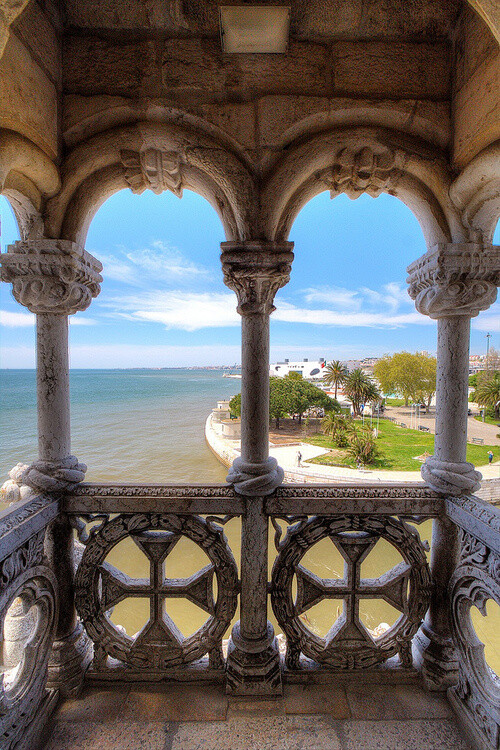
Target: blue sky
{"points": [[163, 302]]}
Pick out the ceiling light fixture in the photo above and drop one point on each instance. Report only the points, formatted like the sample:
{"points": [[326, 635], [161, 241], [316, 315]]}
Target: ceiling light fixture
{"points": [[254, 28]]}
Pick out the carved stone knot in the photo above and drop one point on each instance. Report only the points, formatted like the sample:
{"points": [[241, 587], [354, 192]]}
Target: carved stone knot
{"points": [[51, 276], [255, 271], [255, 480], [13, 490], [452, 280], [43, 476], [448, 478], [362, 171], [152, 169]]}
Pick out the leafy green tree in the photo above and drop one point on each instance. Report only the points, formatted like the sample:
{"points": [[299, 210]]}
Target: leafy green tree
{"points": [[360, 389], [279, 399], [335, 373], [488, 393], [412, 376], [290, 396], [235, 405]]}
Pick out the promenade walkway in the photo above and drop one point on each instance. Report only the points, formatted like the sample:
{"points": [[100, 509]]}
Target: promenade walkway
{"points": [[286, 455]]}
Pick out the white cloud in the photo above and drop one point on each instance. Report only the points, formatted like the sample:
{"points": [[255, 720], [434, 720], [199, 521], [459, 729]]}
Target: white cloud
{"points": [[16, 319], [192, 311], [187, 311], [291, 314], [488, 321], [80, 320], [27, 320], [388, 299], [159, 261], [342, 298]]}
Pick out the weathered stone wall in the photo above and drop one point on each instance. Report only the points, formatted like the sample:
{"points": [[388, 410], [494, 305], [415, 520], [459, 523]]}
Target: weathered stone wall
{"points": [[476, 96], [30, 78]]}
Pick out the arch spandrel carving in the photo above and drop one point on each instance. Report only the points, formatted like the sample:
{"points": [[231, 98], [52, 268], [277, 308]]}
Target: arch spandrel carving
{"points": [[476, 193], [363, 159], [27, 178], [158, 157]]}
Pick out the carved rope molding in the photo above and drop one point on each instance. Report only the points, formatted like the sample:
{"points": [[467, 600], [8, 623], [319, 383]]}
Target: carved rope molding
{"points": [[51, 276], [474, 582], [363, 171], [152, 169], [455, 279], [255, 271]]}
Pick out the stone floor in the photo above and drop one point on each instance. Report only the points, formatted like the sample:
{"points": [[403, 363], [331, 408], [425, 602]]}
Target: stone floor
{"points": [[201, 717]]}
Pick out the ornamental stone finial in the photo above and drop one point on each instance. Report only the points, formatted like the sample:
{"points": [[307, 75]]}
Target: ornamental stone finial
{"points": [[255, 271], [455, 279], [51, 276]]}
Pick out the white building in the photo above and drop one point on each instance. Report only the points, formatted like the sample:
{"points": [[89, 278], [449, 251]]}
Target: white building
{"points": [[309, 369]]}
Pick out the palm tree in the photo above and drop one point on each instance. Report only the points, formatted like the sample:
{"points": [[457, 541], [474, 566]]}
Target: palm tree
{"points": [[335, 373], [488, 393], [360, 388], [339, 427]]}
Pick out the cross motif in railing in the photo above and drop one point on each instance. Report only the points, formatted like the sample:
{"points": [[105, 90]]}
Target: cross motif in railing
{"points": [[392, 587], [198, 589]]}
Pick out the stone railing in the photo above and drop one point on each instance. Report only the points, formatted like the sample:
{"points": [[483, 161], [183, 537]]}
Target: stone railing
{"points": [[28, 616], [476, 580], [156, 517]]}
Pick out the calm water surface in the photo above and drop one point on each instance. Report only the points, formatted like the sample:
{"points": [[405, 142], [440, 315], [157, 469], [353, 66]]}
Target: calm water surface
{"points": [[147, 426]]}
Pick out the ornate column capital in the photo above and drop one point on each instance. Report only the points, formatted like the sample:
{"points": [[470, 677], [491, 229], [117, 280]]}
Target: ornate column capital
{"points": [[455, 279], [51, 276], [255, 271]]}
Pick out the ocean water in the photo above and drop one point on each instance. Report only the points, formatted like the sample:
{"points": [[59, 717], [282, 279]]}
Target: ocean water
{"points": [[126, 425], [148, 426]]}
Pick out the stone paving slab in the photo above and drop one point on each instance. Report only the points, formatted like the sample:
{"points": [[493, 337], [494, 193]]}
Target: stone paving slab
{"points": [[115, 735], [176, 703], [423, 734], [403, 702], [314, 717]]}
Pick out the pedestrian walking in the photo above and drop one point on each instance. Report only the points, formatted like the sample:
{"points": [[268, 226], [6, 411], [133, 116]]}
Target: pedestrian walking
{"points": [[490, 456], [299, 458]]}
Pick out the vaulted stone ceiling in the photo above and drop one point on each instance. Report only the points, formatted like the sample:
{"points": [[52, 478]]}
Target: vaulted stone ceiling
{"points": [[310, 19]]}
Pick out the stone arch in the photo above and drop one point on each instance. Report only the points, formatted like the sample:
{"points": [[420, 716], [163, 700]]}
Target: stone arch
{"points": [[476, 193], [27, 178], [155, 156], [363, 159]]}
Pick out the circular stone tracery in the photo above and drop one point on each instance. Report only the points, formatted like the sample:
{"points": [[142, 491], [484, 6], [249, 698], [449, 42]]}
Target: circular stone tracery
{"points": [[348, 644], [159, 645]]}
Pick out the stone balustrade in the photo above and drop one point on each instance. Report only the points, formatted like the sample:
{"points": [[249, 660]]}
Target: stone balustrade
{"points": [[157, 517]]}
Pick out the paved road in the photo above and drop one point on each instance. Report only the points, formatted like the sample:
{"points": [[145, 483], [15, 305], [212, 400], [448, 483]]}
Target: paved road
{"points": [[475, 429]]}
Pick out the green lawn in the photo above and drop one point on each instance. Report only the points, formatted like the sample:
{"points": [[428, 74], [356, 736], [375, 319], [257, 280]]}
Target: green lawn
{"points": [[397, 447], [394, 402]]}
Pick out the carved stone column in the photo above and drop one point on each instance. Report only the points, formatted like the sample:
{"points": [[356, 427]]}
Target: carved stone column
{"points": [[255, 270], [53, 279], [450, 283]]}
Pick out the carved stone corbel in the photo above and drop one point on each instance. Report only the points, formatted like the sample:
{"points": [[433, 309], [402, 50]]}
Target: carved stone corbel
{"points": [[152, 169], [365, 170]]}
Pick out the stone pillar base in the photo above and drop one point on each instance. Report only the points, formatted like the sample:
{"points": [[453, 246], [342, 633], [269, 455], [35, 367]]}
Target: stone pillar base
{"points": [[253, 667], [70, 658], [436, 658]]}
